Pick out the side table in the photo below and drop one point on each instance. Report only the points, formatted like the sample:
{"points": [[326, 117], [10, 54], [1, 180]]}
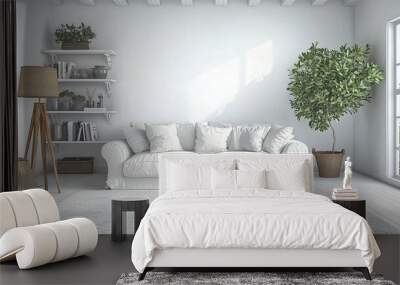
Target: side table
{"points": [[121, 205], [357, 206]]}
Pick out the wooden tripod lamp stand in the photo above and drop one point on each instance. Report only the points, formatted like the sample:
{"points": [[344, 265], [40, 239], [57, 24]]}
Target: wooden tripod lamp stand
{"points": [[40, 82]]}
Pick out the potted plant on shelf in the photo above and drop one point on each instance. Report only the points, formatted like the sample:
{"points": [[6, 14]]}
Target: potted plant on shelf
{"points": [[327, 84], [74, 36]]}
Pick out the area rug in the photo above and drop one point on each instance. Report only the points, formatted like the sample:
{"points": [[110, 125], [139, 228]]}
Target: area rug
{"points": [[253, 278]]}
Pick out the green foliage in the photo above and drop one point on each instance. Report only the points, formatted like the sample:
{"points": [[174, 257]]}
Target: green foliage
{"points": [[74, 34], [327, 84]]}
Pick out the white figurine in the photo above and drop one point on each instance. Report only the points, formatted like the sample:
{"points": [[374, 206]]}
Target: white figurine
{"points": [[347, 174]]}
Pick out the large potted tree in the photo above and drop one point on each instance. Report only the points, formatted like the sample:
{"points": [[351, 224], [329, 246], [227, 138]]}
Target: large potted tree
{"points": [[325, 85]]}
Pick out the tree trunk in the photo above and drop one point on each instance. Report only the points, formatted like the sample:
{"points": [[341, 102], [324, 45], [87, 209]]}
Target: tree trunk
{"points": [[333, 137]]}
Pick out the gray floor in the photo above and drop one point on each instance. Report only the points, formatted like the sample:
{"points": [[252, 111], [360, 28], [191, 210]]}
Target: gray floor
{"points": [[84, 195], [110, 260], [103, 266]]}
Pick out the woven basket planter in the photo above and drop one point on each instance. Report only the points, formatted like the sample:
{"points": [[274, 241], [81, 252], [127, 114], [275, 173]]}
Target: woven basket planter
{"points": [[329, 162], [77, 45]]}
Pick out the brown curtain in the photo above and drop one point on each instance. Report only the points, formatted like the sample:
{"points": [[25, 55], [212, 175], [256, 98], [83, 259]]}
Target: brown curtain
{"points": [[8, 99]]}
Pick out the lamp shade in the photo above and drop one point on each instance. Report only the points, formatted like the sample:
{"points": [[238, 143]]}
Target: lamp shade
{"points": [[38, 82]]}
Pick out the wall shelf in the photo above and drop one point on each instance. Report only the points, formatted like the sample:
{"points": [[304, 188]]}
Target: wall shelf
{"points": [[107, 82], [56, 55], [79, 142], [87, 80], [106, 113], [53, 53]]}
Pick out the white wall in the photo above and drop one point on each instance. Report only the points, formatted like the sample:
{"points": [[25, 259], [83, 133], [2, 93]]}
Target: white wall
{"points": [[200, 63], [370, 123]]}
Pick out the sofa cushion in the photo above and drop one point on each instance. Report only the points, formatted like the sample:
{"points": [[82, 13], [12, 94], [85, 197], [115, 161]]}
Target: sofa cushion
{"points": [[277, 138], [186, 135], [211, 139], [245, 137], [136, 138], [163, 137], [250, 137]]}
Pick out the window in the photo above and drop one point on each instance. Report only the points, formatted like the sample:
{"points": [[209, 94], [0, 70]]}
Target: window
{"points": [[393, 88]]}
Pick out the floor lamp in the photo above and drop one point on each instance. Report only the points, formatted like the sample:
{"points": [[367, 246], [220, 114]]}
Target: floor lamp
{"points": [[39, 82]]}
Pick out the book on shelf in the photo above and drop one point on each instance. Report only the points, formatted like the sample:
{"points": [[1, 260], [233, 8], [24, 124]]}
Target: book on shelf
{"points": [[64, 69], [80, 131]]}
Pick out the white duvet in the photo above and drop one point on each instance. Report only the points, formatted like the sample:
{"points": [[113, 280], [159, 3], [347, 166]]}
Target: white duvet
{"points": [[250, 219]]}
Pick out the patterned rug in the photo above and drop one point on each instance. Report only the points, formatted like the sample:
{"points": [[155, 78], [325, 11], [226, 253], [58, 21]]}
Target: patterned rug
{"points": [[253, 278]]}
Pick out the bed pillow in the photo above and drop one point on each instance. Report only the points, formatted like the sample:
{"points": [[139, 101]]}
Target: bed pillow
{"points": [[277, 138], [251, 179], [291, 173], [294, 178], [186, 135], [136, 138], [211, 139], [223, 179], [163, 138], [183, 177]]}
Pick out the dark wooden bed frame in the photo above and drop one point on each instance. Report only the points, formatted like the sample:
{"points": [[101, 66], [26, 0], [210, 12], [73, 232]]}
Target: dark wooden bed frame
{"points": [[363, 270]]}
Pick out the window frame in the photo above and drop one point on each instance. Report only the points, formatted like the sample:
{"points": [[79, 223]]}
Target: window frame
{"points": [[393, 95]]}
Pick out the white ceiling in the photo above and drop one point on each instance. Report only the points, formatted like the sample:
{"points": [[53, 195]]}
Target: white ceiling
{"points": [[216, 2]]}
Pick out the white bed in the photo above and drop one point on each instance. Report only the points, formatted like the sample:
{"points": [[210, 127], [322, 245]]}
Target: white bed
{"points": [[196, 224]]}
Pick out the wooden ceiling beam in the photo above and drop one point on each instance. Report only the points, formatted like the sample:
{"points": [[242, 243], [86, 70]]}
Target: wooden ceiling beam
{"points": [[88, 2], [350, 2], [254, 2], [121, 3], [154, 2], [57, 2], [287, 2], [187, 2], [221, 2], [318, 2]]}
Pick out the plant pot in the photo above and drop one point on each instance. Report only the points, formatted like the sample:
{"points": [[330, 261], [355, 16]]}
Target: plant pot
{"points": [[329, 162], [77, 45]]}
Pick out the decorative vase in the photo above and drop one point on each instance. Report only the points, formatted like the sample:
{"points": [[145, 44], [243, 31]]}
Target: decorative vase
{"points": [[329, 162], [75, 45], [100, 71]]}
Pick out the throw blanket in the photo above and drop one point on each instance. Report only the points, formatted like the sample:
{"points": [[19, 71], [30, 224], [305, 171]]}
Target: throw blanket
{"points": [[250, 218]]}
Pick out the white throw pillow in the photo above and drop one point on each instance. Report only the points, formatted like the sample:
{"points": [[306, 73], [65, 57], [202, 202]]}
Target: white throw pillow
{"points": [[251, 179], [250, 137], [277, 138], [136, 138], [163, 138], [211, 139], [186, 135], [245, 137]]}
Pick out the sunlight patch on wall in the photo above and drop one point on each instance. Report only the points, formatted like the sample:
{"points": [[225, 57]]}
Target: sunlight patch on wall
{"points": [[258, 63], [212, 91]]}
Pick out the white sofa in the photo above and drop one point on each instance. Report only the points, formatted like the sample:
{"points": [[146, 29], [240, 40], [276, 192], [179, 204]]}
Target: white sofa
{"points": [[140, 171], [31, 231]]}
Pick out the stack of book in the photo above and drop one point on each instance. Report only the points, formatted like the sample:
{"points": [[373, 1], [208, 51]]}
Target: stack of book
{"points": [[344, 194], [64, 69], [79, 131]]}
